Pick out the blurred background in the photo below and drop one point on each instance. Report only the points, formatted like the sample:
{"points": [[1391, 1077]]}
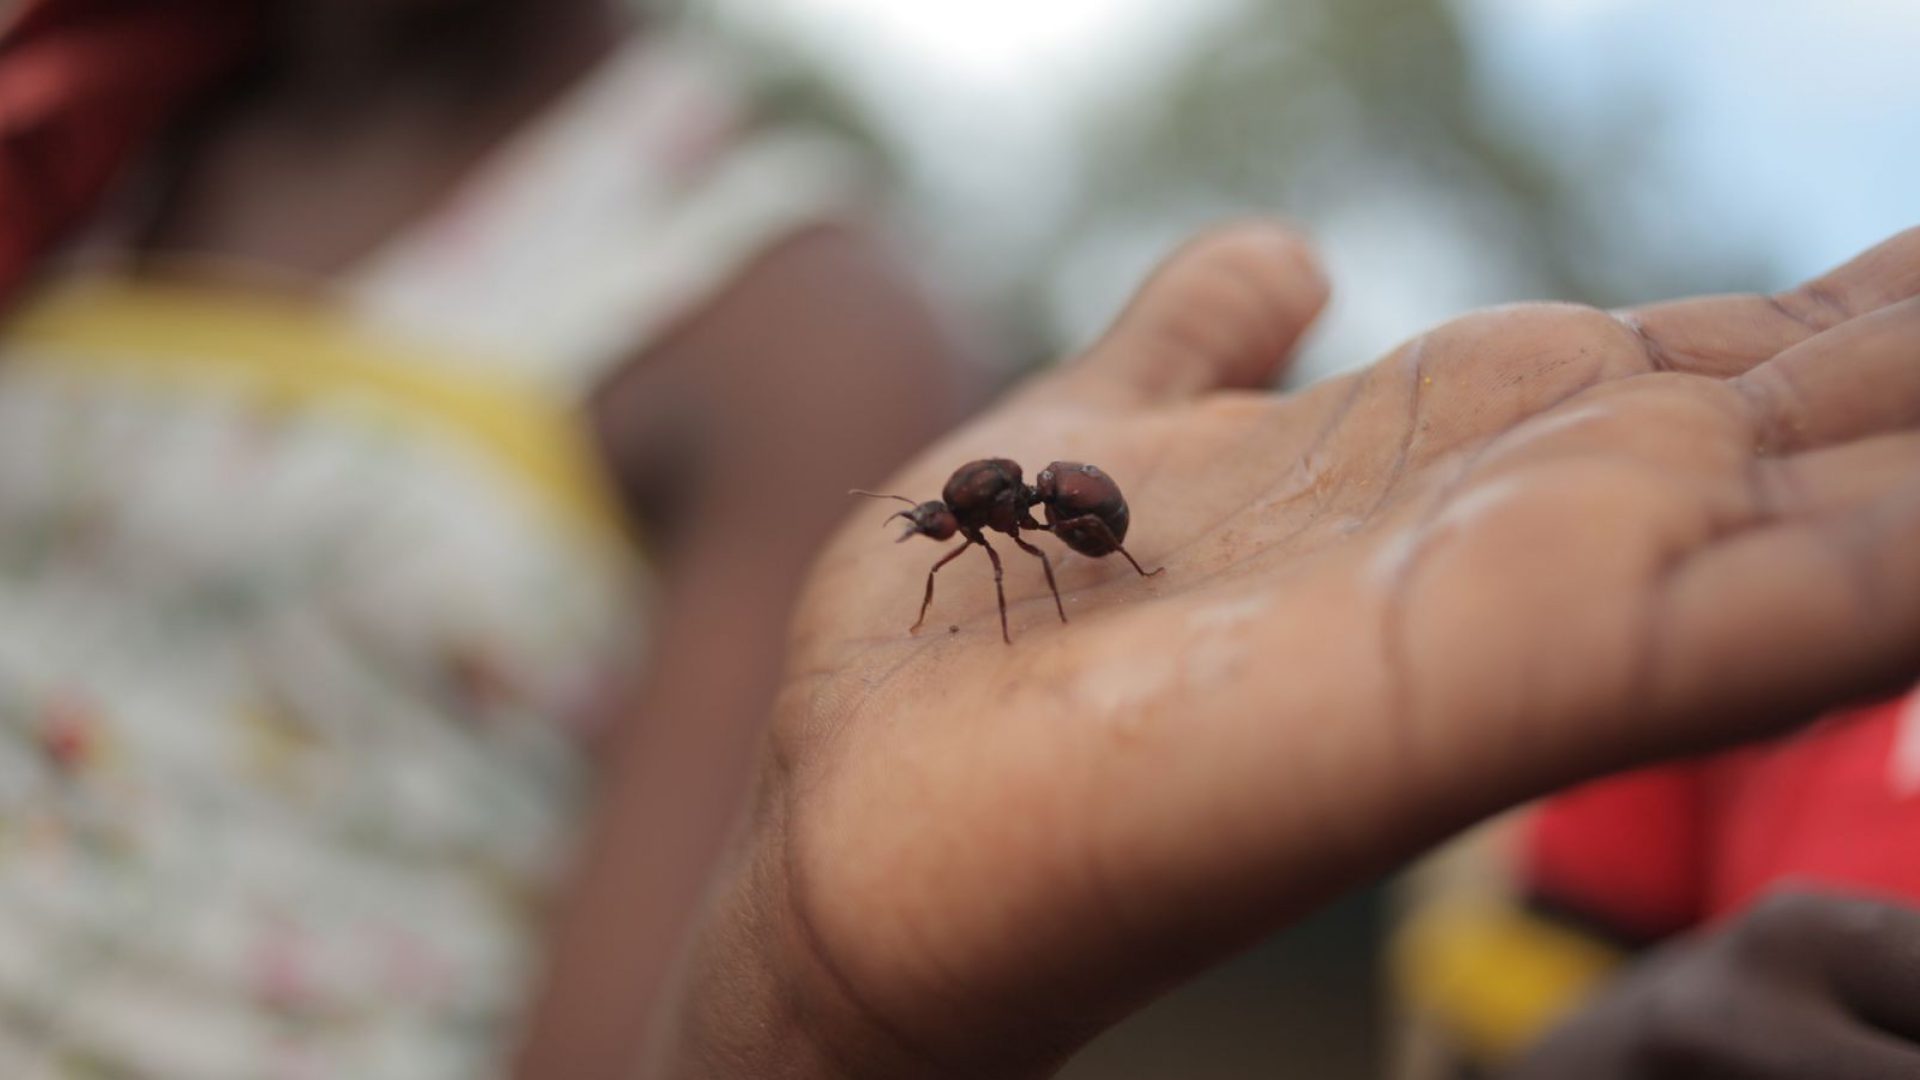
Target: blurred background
{"points": [[339, 745], [1446, 154]]}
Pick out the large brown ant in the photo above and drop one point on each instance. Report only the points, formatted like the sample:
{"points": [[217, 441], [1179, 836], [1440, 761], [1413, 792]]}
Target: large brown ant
{"points": [[1084, 509]]}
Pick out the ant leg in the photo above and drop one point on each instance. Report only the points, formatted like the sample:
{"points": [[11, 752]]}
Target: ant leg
{"points": [[999, 590], [928, 601], [1047, 565], [1155, 572], [1092, 523]]}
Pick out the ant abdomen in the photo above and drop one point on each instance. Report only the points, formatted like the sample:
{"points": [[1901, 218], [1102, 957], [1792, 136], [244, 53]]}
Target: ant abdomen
{"points": [[1084, 507]]}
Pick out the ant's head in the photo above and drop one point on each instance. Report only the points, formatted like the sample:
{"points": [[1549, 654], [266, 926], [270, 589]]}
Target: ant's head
{"points": [[931, 518]]}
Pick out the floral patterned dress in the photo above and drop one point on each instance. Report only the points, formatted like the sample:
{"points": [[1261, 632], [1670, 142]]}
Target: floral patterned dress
{"points": [[298, 589]]}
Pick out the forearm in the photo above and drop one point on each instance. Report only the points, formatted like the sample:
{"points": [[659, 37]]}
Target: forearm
{"points": [[760, 997], [740, 1009], [783, 373], [672, 779]]}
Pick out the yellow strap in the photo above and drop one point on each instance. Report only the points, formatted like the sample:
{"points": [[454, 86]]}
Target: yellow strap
{"points": [[292, 350]]}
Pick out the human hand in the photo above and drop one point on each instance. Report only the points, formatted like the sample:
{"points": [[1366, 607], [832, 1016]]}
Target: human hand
{"points": [[1803, 985], [1532, 545]]}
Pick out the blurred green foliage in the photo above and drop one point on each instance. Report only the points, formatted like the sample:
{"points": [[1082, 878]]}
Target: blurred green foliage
{"points": [[1317, 109]]}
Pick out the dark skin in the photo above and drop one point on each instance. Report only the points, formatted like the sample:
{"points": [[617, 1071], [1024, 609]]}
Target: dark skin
{"points": [[969, 859], [1805, 984], [367, 115], [360, 117]]}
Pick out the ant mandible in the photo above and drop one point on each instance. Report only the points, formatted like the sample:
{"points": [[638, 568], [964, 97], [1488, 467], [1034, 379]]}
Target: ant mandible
{"points": [[1084, 509]]}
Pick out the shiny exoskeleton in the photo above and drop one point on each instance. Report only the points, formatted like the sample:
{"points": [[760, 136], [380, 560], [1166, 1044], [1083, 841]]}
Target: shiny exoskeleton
{"points": [[1084, 509]]}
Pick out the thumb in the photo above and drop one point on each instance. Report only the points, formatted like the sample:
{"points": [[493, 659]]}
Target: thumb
{"points": [[1225, 310]]}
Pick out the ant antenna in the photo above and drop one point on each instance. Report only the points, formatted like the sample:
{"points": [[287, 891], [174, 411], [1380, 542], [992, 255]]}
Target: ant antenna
{"points": [[889, 517]]}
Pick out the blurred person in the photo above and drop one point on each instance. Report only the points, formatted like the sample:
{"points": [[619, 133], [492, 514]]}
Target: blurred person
{"points": [[1553, 909], [378, 333]]}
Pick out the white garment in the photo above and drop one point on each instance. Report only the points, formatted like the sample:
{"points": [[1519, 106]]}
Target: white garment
{"points": [[295, 596]]}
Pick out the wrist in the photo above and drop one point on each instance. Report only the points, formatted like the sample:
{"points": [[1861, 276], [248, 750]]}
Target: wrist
{"points": [[738, 1007], [757, 999]]}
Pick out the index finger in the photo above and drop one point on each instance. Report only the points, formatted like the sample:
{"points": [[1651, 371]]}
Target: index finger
{"points": [[1726, 335]]}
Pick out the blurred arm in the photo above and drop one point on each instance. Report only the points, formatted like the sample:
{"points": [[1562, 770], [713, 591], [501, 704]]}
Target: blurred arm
{"points": [[818, 370]]}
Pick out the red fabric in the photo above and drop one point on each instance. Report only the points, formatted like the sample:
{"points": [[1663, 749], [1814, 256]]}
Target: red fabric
{"points": [[1657, 851], [84, 86], [1627, 851]]}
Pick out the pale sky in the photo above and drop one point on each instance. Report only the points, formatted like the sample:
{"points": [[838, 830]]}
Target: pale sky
{"points": [[1791, 126], [1797, 120]]}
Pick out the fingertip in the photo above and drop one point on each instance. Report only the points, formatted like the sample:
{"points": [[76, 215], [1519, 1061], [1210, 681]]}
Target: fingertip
{"points": [[1262, 246], [1226, 309]]}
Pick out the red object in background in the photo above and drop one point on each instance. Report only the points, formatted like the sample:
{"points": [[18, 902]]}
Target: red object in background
{"points": [[1657, 851], [85, 85], [1627, 851], [69, 732]]}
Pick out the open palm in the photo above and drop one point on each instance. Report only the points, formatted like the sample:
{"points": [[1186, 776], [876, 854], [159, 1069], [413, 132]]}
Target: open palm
{"points": [[1531, 545]]}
